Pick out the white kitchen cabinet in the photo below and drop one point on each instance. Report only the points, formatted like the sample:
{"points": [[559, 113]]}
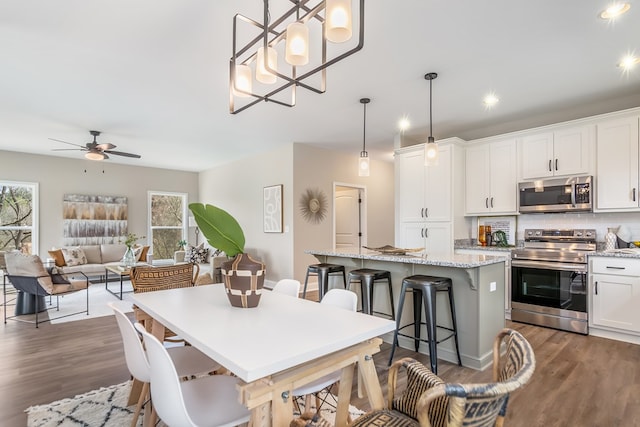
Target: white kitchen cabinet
{"points": [[435, 237], [560, 153], [617, 176], [429, 199], [491, 179], [615, 294], [426, 190]]}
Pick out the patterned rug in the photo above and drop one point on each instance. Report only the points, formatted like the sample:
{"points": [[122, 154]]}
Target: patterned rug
{"points": [[106, 407]]}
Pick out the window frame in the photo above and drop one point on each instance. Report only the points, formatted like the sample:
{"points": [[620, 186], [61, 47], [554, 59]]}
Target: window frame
{"points": [[185, 216], [35, 210]]}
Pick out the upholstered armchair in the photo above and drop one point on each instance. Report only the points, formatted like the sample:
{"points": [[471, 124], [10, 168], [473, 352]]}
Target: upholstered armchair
{"points": [[31, 279]]}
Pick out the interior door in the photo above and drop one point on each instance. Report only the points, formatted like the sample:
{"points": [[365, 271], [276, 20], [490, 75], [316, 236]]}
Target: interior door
{"points": [[347, 205]]}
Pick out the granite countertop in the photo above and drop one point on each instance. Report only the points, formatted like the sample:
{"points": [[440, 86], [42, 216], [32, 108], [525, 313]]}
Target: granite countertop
{"points": [[449, 260], [618, 253]]}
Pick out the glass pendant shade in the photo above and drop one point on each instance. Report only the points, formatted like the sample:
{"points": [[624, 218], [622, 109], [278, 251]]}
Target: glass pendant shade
{"points": [[297, 45], [262, 74], [363, 164], [338, 24], [242, 81], [431, 153]]}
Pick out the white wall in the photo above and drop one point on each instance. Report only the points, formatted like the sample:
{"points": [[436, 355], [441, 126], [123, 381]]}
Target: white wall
{"points": [[237, 187], [58, 176]]}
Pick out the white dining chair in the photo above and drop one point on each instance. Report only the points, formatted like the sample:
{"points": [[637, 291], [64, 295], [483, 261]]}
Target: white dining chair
{"points": [[210, 401], [187, 360], [341, 298], [288, 286]]}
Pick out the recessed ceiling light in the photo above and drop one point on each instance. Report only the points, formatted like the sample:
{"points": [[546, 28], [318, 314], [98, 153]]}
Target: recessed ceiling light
{"points": [[629, 62], [403, 124], [490, 100], [615, 10]]}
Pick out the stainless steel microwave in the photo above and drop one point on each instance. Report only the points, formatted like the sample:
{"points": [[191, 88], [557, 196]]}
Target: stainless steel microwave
{"points": [[572, 194]]}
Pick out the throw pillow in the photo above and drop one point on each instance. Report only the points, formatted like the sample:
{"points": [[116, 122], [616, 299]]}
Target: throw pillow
{"points": [[58, 257], [143, 254], [74, 256], [196, 254]]}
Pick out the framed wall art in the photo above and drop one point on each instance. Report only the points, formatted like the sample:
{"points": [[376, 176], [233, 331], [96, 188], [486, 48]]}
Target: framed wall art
{"points": [[93, 220], [272, 209]]}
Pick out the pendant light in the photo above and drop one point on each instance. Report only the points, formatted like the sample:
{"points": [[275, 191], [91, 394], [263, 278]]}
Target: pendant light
{"points": [[431, 147], [297, 41], [338, 27], [363, 161]]}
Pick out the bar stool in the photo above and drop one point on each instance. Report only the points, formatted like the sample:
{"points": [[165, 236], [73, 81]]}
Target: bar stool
{"points": [[426, 287], [323, 271], [367, 278]]}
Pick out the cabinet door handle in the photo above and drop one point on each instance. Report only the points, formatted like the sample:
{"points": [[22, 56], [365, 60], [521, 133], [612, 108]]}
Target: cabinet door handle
{"points": [[426, 212], [492, 202], [486, 202], [426, 233], [421, 212], [615, 268], [634, 194], [595, 288], [556, 164], [550, 165], [422, 233]]}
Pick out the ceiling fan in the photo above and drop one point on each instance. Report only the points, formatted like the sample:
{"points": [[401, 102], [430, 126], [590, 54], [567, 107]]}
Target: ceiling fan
{"points": [[95, 151]]}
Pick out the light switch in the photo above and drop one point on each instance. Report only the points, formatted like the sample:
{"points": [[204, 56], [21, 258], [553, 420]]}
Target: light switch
{"points": [[492, 287]]}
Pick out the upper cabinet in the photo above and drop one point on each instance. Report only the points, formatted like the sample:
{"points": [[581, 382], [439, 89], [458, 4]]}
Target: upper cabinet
{"points": [[425, 191], [617, 176], [560, 153], [491, 178]]}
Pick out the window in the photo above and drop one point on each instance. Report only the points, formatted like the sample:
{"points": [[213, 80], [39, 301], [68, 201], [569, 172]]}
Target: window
{"points": [[19, 216], [167, 222]]}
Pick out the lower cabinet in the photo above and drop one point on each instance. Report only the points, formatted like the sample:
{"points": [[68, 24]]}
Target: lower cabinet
{"points": [[434, 237], [615, 294]]}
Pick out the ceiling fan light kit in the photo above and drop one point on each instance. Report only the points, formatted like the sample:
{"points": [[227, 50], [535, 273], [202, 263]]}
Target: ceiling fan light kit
{"points": [[95, 151], [290, 33]]}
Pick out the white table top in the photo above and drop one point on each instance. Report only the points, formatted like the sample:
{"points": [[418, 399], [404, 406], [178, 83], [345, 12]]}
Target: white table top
{"points": [[282, 332]]}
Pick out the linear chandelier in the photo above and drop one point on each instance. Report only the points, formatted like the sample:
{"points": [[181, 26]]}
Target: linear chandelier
{"points": [[301, 33]]}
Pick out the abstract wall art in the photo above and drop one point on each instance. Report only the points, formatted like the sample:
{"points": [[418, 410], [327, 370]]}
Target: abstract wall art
{"points": [[93, 220]]}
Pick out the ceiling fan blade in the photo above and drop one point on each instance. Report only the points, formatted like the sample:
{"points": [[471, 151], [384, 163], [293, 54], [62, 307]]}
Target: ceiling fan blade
{"points": [[70, 143], [120, 153], [106, 146], [68, 149]]}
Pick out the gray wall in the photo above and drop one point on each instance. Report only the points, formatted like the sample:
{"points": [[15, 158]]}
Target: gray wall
{"points": [[57, 176]]}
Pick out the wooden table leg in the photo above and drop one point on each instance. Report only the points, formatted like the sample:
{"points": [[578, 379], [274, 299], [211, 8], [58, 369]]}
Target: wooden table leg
{"points": [[261, 416], [369, 376], [344, 396]]}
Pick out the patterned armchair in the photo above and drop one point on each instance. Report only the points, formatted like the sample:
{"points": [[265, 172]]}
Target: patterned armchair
{"points": [[428, 401]]}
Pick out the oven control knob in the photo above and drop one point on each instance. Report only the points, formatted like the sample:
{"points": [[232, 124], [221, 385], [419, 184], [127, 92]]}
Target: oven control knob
{"points": [[530, 233], [578, 233], [588, 234], [538, 233]]}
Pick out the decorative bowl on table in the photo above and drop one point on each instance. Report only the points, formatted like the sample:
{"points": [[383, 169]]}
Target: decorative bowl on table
{"points": [[392, 250]]}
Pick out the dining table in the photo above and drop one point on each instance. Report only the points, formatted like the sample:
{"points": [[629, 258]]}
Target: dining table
{"points": [[274, 348]]}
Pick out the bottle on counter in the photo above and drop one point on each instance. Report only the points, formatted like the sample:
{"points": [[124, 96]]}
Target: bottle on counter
{"points": [[482, 235]]}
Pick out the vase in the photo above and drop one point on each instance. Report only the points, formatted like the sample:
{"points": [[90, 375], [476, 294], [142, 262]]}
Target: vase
{"points": [[610, 240], [129, 258], [243, 279]]}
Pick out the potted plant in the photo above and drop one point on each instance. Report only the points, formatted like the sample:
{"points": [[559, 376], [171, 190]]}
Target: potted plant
{"points": [[129, 258], [242, 275]]}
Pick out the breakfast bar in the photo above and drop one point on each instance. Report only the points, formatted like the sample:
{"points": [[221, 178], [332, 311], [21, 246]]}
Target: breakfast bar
{"points": [[478, 286]]}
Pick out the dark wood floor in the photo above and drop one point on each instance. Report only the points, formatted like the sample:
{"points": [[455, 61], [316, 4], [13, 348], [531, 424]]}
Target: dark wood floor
{"points": [[579, 380]]}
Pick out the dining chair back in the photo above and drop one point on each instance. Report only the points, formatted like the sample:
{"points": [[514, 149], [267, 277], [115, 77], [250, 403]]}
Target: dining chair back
{"points": [[134, 353], [288, 286], [211, 401], [344, 299], [341, 298]]}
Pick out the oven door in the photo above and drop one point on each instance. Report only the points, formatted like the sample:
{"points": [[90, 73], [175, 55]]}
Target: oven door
{"points": [[549, 284]]}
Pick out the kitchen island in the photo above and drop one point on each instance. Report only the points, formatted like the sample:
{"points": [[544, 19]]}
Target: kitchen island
{"points": [[478, 288]]}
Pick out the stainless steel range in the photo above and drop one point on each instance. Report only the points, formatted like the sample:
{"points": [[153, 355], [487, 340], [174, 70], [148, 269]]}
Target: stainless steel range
{"points": [[549, 279]]}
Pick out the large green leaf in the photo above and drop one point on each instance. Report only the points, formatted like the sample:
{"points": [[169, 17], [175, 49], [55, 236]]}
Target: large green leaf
{"points": [[219, 227]]}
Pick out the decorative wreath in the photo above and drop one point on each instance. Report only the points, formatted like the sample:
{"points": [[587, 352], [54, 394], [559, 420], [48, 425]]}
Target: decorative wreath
{"points": [[313, 206]]}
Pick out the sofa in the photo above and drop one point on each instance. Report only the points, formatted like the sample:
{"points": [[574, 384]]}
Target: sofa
{"points": [[92, 259]]}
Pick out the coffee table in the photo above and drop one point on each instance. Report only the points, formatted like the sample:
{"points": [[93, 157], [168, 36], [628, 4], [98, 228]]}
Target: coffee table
{"points": [[118, 270]]}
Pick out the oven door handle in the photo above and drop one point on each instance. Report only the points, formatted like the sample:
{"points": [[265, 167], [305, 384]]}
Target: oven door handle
{"points": [[580, 268]]}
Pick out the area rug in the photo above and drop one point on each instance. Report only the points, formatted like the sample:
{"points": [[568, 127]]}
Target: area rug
{"points": [[106, 407]]}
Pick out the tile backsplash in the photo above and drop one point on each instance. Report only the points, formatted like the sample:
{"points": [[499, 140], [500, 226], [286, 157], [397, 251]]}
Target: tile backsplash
{"points": [[598, 221]]}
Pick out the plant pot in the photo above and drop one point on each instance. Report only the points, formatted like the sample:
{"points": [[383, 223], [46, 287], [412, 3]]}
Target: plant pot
{"points": [[243, 280], [129, 258]]}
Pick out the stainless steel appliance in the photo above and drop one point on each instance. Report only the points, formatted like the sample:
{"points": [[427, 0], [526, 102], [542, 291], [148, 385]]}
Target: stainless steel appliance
{"points": [[573, 194], [549, 279]]}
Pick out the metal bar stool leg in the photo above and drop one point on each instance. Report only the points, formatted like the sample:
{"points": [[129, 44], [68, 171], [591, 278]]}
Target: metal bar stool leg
{"points": [[430, 308], [393, 311], [454, 324], [417, 316], [398, 319]]}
